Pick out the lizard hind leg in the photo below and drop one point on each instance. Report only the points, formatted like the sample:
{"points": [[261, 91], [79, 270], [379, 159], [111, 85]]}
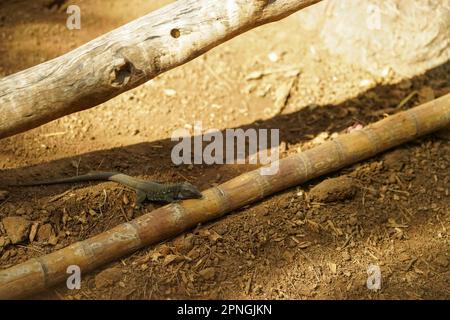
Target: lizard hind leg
{"points": [[141, 196]]}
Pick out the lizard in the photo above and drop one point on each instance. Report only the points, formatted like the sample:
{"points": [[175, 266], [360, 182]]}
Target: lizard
{"points": [[145, 190]]}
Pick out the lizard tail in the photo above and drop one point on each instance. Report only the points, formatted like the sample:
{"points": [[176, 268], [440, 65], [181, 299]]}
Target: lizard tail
{"points": [[93, 176]]}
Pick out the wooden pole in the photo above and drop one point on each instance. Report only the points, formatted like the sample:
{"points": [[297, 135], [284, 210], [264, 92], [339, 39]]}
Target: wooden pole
{"points": [[129, 56], [38, 274]]}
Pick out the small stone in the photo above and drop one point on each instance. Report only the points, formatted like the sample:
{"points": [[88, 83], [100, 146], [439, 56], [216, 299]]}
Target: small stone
{"points": [[20, 211], [395, 160], [171, 258], [3, 195], [405, 84], [426, 94], [184, 244], [221, 229], [53, 240], [273, 56], [441, 260], [45, 232], [392, 178], [346, 256], [169, 92], [108, 277], [208, 273], [333, 189], [33, 231], [17, 228]]}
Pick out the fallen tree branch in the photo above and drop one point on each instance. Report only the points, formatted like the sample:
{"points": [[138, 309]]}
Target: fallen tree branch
{"points": [[38, 274], [129, 56]]}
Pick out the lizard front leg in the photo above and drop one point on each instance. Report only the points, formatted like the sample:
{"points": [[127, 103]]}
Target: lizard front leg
{"points": [[141, 196]]}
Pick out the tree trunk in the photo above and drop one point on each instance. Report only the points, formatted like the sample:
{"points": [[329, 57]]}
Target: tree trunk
{"points": [[129, 56]]}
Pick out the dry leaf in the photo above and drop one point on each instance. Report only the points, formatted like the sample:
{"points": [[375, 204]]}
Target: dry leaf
{"points": [[171, 258]]}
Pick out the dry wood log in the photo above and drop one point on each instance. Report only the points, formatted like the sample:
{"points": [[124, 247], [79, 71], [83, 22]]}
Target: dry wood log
{"points": [[38, 274], [129, 56]]}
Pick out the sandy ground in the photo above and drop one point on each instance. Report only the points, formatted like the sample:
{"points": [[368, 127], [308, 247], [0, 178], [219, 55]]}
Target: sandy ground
{"points": [[285, 247]]}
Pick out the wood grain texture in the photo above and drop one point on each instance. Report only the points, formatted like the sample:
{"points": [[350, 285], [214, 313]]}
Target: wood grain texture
{"points": [[129, 56], [40, 273]]}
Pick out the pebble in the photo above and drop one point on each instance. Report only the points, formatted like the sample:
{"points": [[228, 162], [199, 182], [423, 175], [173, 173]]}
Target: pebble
{"points": [[33, 231], [184, 245], [45, 232], [208, 273], [395, 160], [334, 189], [3, 195], [20, 211], [346, 256], [442, 260], [108, 277], [17, 228]]}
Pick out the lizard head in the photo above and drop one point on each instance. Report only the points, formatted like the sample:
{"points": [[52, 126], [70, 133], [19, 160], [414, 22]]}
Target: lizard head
{"points": [[188, 191]]}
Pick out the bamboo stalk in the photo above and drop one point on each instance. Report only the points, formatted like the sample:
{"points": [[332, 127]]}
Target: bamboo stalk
{"points": [[129, 56], [40, 273]]}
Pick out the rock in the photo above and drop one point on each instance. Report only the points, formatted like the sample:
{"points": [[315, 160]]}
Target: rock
{"points": [[45, 232], [383, 35], [33, 231], [53, 240], [184, 244], [208, 273], [2, 242], [20, 211], [3, 195], [220, 228], [395, 160], [441, 260], [261, 211], [346, 256], [171, 258], [426, 94], [17, 228], [108, 277], [334, 189]]}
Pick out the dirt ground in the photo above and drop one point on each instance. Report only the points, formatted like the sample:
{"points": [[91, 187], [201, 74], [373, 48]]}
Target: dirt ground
{"points": [[391, 211]]}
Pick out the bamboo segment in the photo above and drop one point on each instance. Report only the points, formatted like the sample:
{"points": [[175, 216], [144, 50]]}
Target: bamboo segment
{"points": [[38, 274]]}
